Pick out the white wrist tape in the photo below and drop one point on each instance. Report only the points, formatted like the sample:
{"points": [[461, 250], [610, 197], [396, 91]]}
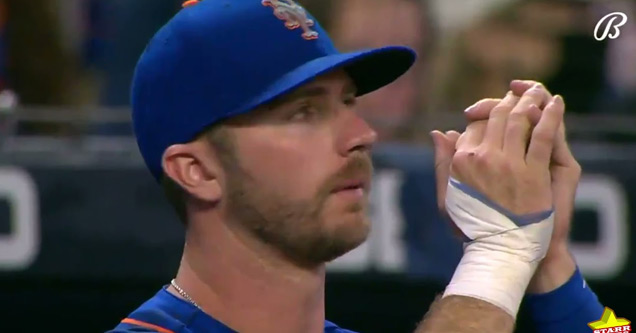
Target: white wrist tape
{"points": [[502, 250]]}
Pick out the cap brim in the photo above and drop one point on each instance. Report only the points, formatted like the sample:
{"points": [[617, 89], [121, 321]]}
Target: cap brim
{"points": [[377, 68], [369, 70]]}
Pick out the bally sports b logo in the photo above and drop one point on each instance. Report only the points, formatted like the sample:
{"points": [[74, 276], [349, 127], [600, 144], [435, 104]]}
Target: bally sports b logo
{"points": [[294, 16], [608, 26]]}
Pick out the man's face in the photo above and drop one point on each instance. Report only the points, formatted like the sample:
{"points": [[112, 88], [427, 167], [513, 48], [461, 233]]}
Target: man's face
{"points": [[299, 172]]}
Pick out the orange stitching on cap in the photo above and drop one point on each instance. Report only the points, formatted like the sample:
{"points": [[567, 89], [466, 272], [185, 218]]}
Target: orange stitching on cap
{"points": [[189, 3], [294, 16], [146, 325]]}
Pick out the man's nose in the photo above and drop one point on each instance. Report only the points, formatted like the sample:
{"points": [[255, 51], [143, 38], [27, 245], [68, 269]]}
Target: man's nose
{"points": [[356, 134]]}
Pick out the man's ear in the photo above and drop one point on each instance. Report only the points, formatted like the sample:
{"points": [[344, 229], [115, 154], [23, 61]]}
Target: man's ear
{"points": [[191, 166]]}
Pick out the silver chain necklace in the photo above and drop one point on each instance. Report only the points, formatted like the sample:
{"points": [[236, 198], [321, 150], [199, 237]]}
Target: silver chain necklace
{"points": [[184, 294]]}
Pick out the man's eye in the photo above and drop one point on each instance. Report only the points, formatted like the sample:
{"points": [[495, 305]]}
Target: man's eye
{"points": [[350, 101], [303, 113]]}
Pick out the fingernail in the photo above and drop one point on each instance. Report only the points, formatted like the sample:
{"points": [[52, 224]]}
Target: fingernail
{"points": [[434, 137], [555, 100], [470, 108]]}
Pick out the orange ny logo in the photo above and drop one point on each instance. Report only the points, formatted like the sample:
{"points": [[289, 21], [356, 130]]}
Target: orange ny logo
{"points": [[294, 16]]}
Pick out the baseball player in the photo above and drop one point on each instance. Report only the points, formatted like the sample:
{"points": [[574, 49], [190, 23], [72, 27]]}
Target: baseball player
{"points": [[244, 111]]}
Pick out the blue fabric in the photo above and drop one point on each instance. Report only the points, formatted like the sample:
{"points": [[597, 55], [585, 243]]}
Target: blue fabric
{"points": [[568, 308], [220, 58], [520, 220], [174, 314]]}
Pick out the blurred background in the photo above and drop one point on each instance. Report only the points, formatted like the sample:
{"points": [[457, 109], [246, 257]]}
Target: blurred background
{"points": [[86, 234]]}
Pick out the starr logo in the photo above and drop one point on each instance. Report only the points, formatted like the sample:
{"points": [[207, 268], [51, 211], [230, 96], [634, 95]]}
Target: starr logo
{"points": [[610, 324]]}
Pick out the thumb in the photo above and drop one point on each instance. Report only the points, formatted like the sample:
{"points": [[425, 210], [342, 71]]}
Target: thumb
{"points": [[444, 151], [561, 154]]}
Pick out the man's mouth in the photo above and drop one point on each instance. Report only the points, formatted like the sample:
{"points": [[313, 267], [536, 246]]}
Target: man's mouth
{"points": [[352, 185]]}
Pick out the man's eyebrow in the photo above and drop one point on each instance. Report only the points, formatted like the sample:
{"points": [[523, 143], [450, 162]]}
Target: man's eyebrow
{"points": [[305, 92], [351, 89], [311, 91]]}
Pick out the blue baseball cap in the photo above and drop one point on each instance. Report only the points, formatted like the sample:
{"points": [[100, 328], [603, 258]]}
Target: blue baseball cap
{"points": [[220, 58]]}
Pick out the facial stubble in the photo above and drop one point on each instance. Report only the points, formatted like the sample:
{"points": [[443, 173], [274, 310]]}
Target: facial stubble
{"points": [[298, 229]]}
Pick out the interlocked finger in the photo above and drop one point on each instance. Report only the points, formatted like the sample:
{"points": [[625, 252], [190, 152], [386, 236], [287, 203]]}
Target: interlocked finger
{"points": [[542, 140], [496, 126], [519, 87], [481, 110], [518, 131]]}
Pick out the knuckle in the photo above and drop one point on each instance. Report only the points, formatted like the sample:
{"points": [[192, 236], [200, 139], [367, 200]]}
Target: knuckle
{"points": [[542, 136], [476, 126], [490, 102], [484, 104], [501, 108], [506, 167], [461, 162], [539, 85], [518, 115], [462, 157], [515, 127], [484, 158], [535, 92], [487, 105], [458, 160]]}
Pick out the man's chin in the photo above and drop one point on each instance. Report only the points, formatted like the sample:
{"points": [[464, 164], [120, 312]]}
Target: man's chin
{"points": [[353, 232], [344, 234]]}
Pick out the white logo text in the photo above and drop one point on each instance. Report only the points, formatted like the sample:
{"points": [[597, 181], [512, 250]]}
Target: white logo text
{"points": [[608, 22]]}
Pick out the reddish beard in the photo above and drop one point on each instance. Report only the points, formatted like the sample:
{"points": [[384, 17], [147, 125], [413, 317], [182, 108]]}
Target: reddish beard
{"points": [[296, 229]]}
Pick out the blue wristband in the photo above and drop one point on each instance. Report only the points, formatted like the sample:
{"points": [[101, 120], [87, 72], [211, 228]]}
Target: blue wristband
{"points": [[566, 309]]}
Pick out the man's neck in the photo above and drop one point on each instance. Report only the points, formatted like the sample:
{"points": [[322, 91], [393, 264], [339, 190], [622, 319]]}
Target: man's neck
{"points": [[247, 288]]}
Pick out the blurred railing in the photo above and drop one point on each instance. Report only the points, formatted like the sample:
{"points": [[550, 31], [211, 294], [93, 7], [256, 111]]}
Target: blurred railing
{"points": [[578, 125], [84, 135], [77, 136]]}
